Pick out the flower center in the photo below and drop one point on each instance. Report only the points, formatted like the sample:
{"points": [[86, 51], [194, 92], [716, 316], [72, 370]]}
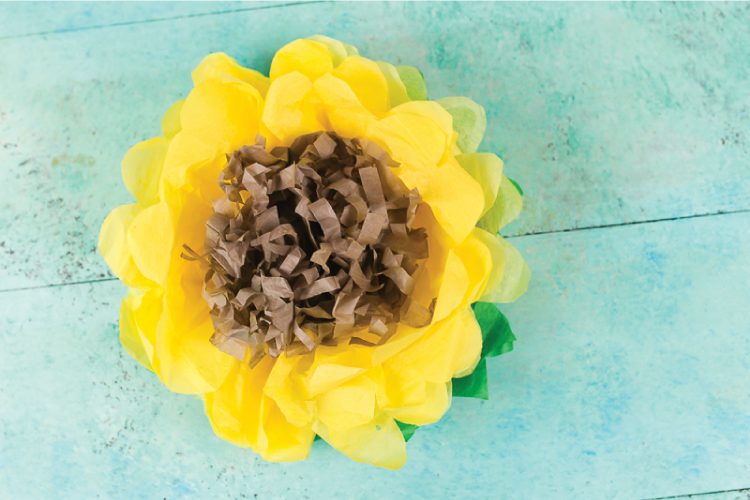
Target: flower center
{"points": [[313, 244]]}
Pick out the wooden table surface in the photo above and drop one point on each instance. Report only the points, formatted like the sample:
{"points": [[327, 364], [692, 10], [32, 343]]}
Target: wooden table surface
{"points": [[628, 126]]}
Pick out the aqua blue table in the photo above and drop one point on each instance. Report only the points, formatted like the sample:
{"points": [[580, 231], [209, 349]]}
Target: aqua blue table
{"points": [[628, 126]]}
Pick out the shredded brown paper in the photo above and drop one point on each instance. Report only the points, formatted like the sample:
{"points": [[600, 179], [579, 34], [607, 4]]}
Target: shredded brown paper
{"points": [[313, 244]]}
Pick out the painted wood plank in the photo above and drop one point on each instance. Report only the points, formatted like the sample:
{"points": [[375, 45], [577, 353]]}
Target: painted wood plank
{"points": [[21, 19], [629, 380], [606, 113]]}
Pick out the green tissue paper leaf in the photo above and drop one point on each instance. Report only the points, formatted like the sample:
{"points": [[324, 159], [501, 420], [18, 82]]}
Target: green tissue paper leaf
{"points": [[517, 186], [497, 337], [414, 82], [407, 430], [474, 385], [469, 120]]}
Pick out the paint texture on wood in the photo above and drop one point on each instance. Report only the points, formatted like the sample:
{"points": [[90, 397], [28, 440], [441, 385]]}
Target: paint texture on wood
{"points": [[604, 113]]}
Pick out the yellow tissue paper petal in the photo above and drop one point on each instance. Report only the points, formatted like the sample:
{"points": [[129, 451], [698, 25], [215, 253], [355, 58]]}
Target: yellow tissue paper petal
{"points": [[280, 441], [149, 240], [411, 139], [515, 274], [291, 108], [336, 48], [436, 402], [309, 57], [332, 367], [469, 121], [287, 391], [113, 245], [467, 271], [141, 169], [414, 82], [487, 170], [379, 442], [187, 152], [348, 405], [170, 122], [505, 209], [467, 355], [367, 81], [234, 408], [396, 88], [453, 287], [219, 66], [224, 113], [455, 198], [346, 115], [187, 362], [446, 348], [478, 262], [139, 313]]}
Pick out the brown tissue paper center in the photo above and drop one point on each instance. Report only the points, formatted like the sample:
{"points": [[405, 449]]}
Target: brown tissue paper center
{"points": [[312, 245]]}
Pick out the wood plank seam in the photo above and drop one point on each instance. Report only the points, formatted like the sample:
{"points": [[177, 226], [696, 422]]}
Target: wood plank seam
{"points": [[705, 493], [556, 231], [163, 19], [634, 223]]}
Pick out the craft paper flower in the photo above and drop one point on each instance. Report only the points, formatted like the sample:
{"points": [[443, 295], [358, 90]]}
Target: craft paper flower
{"points": [[316, 252]]}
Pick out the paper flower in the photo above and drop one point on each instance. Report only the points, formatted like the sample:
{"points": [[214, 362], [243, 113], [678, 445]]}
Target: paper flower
{"points": [[316, 252]]}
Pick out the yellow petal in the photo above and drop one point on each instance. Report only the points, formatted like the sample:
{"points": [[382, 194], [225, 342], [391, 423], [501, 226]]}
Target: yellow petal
{"points": [[477, 260], [346, 115], [468, 353], [510, 274], [288, 391], [396, 89], [487, 170], [219, 66], [455, 198], [234, 408], [466, 274], [446, 348], [188, 362], [336, 48], [170, 122], [436, 402], [333, 366], [291, 108], [379, 442], [188, 151], [453, 287], [416, 134], [308, 57], [223, 113], [139, 314], [113, 245], [367, 81], [278, 440], [348, 405], [150, 241], [141, 169]]}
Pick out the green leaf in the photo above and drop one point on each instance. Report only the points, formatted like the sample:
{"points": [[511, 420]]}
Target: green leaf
{"points": [[517, 185], [414, 82], [474, 385], [469, 120], [497, 337], [407, 430]]}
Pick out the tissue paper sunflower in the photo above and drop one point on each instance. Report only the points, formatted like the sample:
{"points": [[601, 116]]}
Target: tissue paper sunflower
{"points": [[316, 252]]}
